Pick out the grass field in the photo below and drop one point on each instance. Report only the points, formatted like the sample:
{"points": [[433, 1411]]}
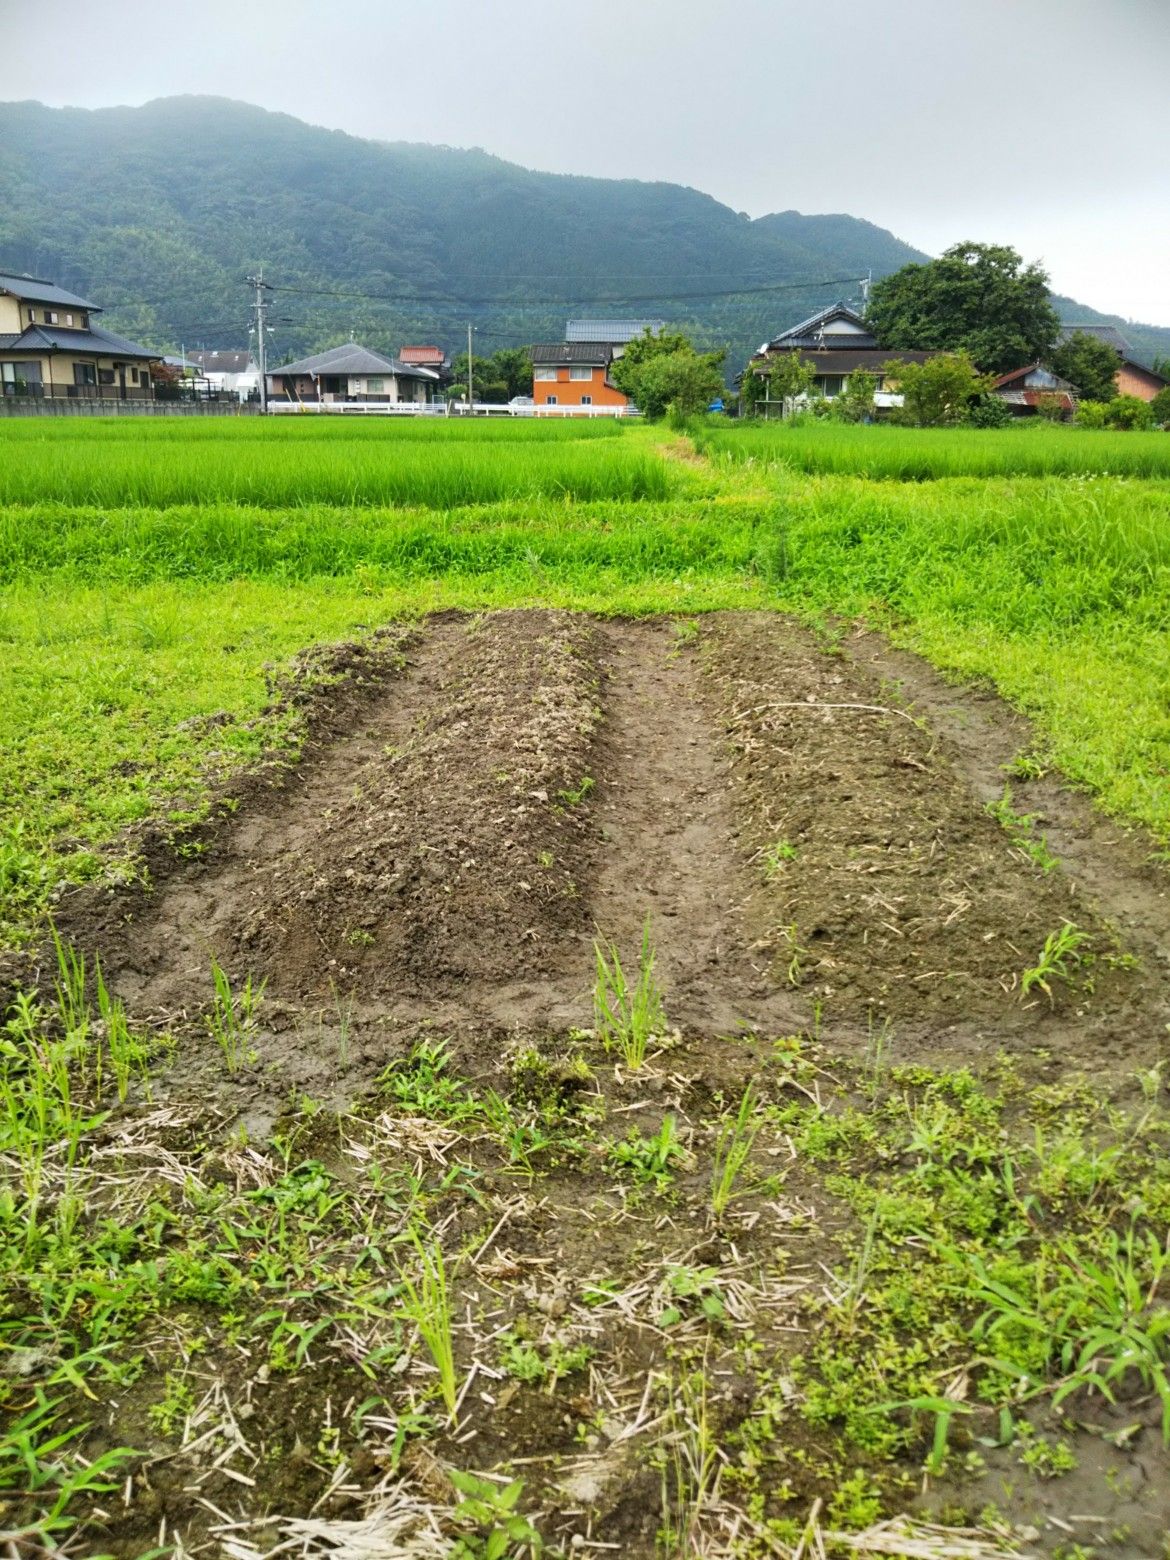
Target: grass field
{"points": [[920, 455], [604, 1080]]}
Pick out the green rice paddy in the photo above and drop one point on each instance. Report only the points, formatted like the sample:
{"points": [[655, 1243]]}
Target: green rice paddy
{"points": [[890, 454]]}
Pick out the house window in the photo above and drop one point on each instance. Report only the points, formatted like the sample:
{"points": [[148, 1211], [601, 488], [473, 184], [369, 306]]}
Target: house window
{"points": [[586, 400], [544, 373], [832, 384], [581, 373], [133, 376], [105, 376], [84, 374], [69, 319], [375, 386], [50, 317], [32, 316], [550, 400], [15, 378]]}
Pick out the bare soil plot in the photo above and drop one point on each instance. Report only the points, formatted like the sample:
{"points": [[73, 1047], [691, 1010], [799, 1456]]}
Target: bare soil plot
{"points": [[827, 896]]}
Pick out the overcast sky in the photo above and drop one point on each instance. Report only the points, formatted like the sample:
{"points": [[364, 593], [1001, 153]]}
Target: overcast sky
{"points": [[1040, 123]]}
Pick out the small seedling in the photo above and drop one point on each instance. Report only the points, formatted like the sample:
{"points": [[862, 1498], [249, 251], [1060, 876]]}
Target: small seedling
{"points": [[573, 798], [1058, 957], [491, 1512], [1021, 829], [233, 1016], [651, 1159], [623, 1017], [732, 1148], [776, 856]]}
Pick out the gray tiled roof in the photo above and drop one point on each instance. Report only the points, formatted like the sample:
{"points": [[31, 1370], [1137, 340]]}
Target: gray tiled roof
{"points": [[37, 290], [843, 360], [351, 358], [809, 332], [611, 330], [95, 340], [584, 353]]}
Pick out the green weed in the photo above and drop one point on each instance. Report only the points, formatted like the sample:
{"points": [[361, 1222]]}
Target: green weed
{"points": [[1059, 956], [625, 1017]]}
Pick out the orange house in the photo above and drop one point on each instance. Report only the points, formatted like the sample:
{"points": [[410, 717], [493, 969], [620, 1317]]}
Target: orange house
{"points": [[1133, 378], [575, 374]]}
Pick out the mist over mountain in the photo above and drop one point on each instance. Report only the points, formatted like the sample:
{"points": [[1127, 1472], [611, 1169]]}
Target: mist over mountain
{"points": [[160, 213]]}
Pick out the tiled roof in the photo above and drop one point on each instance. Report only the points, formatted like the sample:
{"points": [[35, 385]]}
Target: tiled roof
{"points": [[95, 340], [873, 360], [37, 290], [811, 332], [352, 359], [596, 354], [612, 330], [433, 357]]}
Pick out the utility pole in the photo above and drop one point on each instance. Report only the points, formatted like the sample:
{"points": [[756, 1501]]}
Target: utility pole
{"points": [[260, 309], [470, 391], [866, 284]]}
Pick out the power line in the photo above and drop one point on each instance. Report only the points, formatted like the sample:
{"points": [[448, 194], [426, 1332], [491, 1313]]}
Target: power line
{"points": [[575, 299]]}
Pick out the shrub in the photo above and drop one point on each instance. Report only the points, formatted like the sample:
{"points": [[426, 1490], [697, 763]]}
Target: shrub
{"points": [[1090, 414], [1129, 411], [990, 411]]}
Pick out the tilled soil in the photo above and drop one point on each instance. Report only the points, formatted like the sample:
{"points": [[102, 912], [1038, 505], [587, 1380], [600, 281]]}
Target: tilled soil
{"points": [[806, 845], [805, 828]]}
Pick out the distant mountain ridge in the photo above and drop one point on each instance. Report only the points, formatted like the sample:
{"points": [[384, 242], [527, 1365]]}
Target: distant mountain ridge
{"points": [[160, 213]]}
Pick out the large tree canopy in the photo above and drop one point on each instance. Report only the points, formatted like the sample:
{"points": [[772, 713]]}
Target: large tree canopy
{"points": [[977, 298]]}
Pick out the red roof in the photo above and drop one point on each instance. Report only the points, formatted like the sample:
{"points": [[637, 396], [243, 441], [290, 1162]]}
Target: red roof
{"points": [[422, 355]]}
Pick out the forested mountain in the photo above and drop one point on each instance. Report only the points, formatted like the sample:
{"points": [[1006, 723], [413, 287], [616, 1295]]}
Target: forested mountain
{"points": [[161, 212]]}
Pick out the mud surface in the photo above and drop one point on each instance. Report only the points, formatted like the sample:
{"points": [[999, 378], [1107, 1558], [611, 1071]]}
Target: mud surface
{"points": [[806, 830]]}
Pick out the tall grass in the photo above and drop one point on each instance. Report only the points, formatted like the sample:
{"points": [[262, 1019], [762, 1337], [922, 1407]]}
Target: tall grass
{"points": [[221, 541], [311, 428], [349, 469], [885, 453]]}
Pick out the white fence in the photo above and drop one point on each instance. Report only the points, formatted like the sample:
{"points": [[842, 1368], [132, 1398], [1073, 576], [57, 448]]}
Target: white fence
{"points": [[444, 409]]}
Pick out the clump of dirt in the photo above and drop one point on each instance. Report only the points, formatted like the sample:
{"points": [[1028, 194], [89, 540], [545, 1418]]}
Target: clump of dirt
{"points": [[889, 890]]}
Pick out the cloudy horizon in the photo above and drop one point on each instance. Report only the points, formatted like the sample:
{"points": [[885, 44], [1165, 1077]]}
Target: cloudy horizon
{"points": [[1005, 121]]}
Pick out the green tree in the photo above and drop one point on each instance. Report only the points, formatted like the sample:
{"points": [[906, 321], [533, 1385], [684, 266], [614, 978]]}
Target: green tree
{"points": [[1088, 363], [856, 402], [1160, 407], [663, 371], [977, 298], [497, 378], [939, 392]]}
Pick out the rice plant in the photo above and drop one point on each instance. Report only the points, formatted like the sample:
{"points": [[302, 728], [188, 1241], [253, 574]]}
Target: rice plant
{"points": [[733, 1147], [624, 1016], [232, 1019], [426, 1301], [888, 453], [350, 466]]}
